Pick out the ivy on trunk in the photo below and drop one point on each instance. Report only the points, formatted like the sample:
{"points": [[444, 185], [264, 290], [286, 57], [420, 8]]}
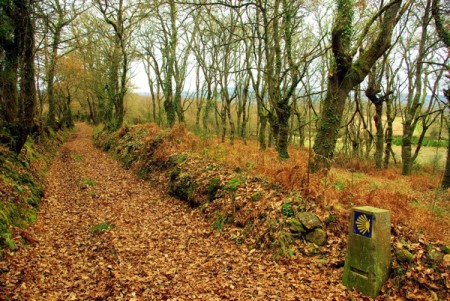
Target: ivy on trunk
{"points": [[346, 72]]}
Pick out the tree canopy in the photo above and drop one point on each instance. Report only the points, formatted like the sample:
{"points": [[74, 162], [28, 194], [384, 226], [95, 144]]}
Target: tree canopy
{"points": [[334, 75]]}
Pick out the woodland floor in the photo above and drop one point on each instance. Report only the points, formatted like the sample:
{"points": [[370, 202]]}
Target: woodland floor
{"points": [[157, 249]]}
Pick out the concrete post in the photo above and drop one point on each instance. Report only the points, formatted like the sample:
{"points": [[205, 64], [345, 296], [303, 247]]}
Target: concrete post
{"points": [[369, 250]]}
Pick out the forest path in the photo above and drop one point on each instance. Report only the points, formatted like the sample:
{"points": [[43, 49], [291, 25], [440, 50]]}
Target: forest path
{"points": [[157, 249]]}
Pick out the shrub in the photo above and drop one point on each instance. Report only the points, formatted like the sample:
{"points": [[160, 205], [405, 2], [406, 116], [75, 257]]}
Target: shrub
{"points": [[220, 221], [287, 209]]}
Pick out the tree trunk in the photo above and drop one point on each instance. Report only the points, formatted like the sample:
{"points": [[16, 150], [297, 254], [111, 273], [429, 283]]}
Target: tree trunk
{"points": [[415, 99], [345, 74], [223, 119], [67, 113], [274, 131], [379, 148], [371, 92], [160, 112], [179, 106], [8, 83], [92, 113], [329, 125], [153, 96], [389, 133], [169, 103], [407, 148], [27, 97], [208, 106], [262, 132], [283, 115], [232, 126], [51, 117], [444, 34], [446, 179], [245, 115], [169, 107], [199, 99]]}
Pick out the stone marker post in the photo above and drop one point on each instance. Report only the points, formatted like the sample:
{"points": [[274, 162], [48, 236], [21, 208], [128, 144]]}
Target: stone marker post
{"points": [[369, 251]]}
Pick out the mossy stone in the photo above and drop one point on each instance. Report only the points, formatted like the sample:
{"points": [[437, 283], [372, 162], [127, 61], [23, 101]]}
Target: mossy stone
{"points": [[295, 226], [309, 220], [183, 186], [403, 255], [317, 236], [435, 256]]}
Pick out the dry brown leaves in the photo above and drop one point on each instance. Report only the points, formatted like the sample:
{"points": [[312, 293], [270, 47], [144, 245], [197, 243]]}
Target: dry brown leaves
{"points": [[157, 248]]}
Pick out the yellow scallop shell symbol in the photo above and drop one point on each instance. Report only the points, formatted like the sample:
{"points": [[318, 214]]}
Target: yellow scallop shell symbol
{"points": [[363, 224]]}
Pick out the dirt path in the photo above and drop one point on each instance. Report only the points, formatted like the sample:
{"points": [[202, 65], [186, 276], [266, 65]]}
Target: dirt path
{"points": [[157, 249]]}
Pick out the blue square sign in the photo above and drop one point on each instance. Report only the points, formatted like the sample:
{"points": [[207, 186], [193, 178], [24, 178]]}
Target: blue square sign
{"points": [[362, 224]]}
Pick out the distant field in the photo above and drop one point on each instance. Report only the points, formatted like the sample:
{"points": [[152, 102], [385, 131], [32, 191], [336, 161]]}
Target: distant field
{"points": [[428, 156]]}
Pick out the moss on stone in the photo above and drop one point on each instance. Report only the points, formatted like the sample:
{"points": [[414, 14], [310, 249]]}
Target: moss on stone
{"points": [[183, 186], [295, 226], [403, 255]]}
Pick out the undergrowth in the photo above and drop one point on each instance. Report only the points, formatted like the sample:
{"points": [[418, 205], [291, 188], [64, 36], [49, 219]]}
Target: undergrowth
{"points": [[22, 184]]}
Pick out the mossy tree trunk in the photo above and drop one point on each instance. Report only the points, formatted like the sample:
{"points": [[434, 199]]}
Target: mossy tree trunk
{"points": [[8, 80], [9, 72], [389, 133], [280, 60], [446, 179], [372, 91], [27, 96], [51, 69], [346, 72], [17, 98]]}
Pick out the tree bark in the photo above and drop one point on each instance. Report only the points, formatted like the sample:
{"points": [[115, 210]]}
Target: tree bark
{"points": [[27, 97], [9, 70], [389, 133], [51, 117], [446, 179], [8, 83], [169, 104], [371, 93]]}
